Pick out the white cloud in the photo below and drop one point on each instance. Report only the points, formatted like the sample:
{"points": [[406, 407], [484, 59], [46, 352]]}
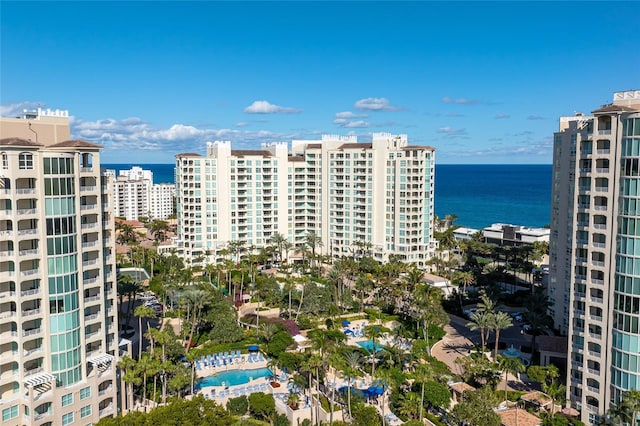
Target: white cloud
{"points": [[375, 104], [349, 114], [450, 133], [242, 124], [343, 122], [16, 110], [460, 101], [502, 116], [265, 107]]}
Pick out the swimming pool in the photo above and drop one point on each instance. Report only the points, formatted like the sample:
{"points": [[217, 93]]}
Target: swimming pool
{"points": [[369, 346], [234, 377]]}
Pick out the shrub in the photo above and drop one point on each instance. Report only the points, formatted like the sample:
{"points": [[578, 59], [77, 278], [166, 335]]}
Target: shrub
{"points": [[262, 405], [238, 406]]}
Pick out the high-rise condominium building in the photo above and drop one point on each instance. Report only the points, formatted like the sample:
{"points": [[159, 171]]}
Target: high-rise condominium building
{"points": [[372, 197], [595, 251], [135, 195], [58, 312]]}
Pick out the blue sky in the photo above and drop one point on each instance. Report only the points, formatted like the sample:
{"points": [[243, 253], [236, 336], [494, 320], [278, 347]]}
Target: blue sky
{"points": [[482, 82]]}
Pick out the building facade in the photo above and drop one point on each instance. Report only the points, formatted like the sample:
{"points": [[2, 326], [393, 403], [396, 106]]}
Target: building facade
{"points": [[359, 198], [58, 305], [135, 195], [594, 283]]}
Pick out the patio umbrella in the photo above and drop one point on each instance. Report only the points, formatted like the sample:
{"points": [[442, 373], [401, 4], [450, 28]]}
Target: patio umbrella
{"points": [[253, 348], [345, 323]]}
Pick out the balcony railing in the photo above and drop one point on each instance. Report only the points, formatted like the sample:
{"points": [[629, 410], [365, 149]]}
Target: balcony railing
{"points": [[31, 312], [22, 212], [31, 332], [28, 252]]}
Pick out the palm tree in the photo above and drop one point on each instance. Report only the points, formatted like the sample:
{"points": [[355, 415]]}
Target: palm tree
{"points": [[557, 393], [510, 365], [129, 377], [142, 312], [631, 399], [499, 321], [619, 414], [313, 240], [278, 240], [481, 320], [422, 374], [351, 369], [430, 311], [196, 300], [191, 357], [146, 366], [409, 405], [466, 279]]}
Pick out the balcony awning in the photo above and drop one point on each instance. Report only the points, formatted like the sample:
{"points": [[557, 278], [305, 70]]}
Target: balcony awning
{"points": [[39, 379], [101, 359]]}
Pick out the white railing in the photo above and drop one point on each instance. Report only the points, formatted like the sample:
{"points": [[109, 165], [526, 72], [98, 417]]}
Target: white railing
{"points": [[88, 281], [88, 207], [32, 351], [30, 272], [86, 169], [88, 188], [91, 298], [106, 390], [23, 191], [89, 262], [27, 231], [593, 371], [8, 314], [91, 317], [90, 225], [31, 372], [90, 244], [7, 294], [28, 252], [31, 332], [26, 211], [31, 312], [597, 299], [6, 253]]}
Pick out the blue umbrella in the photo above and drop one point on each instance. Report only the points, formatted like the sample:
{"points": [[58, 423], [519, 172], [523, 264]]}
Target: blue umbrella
{"points": [[253, 348], [345, 323]]}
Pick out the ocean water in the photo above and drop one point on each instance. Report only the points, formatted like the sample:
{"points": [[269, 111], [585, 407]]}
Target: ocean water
{"points": [[478, 194], [162, 173], [484, 194]]}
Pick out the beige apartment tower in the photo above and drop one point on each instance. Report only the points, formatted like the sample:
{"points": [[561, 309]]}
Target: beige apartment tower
{"points": [[595, 252], [374, 198], [58, 312]]}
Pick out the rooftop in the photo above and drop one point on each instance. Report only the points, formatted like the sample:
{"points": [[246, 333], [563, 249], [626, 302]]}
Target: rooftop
{"points": [[517, 417]]}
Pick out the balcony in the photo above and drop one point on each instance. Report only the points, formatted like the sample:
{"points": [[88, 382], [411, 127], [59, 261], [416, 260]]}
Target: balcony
{"points": [[88, 188], [106, 411], [90, 225], [596, 299], [24, 212], [86, 207], [7, 294], [33, 331], [92, 298], [25, 191], [29, 252], [33, 371], [32, 352], [23, 232], [593, 371], [31, 312], [30, 272], [8, 314], [90, 244]]}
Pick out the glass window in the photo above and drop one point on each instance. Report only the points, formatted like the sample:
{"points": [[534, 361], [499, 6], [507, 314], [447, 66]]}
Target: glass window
{"points": [[25, 161], [67, 399], [9, 413], [85, 393], [67, 419], [85, 411]]}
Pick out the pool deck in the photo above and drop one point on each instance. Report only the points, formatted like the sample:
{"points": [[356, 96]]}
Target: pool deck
{"points": [[221, 394]]}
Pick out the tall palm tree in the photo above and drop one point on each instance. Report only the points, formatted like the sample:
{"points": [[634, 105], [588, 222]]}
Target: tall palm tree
{"points": [[142, 312], [314, 241], [510, 365], [278, 240], [632, 400], [196, 300], [499, 321], [482, 321], [146, 366], [422, 373], [557, 393], [129, 377], [430, 310], [351, 369]]}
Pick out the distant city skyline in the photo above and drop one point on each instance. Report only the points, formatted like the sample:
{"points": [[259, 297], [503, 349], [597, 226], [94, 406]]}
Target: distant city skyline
{"points": [[482, 82]]}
